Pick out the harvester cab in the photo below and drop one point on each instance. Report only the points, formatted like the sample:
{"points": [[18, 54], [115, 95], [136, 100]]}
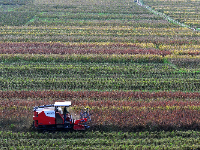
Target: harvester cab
{"points": [[59, 116]]}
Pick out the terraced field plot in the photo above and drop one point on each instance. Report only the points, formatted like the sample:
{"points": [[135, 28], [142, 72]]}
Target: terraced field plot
{"points": [[106, 72], [182, 10], [120, 120]]}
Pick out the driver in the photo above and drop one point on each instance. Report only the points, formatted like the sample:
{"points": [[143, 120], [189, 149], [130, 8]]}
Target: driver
{"points": [[65, 112]]}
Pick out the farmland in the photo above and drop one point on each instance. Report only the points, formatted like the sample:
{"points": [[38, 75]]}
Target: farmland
{"points": [[183, 11], [137, 72]]}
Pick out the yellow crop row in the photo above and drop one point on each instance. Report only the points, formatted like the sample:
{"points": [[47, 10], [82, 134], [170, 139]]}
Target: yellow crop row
{"points": [[174, 56], [43, 28], [192, 22], [179, 47], [181, 52], [103, 32]]}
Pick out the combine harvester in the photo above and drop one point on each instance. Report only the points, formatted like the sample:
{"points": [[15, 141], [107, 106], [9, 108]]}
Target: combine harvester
{"points": [[53, 117]]}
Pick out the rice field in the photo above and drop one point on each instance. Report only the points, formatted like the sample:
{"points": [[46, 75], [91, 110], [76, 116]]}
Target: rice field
{"points": [[137, 72]]}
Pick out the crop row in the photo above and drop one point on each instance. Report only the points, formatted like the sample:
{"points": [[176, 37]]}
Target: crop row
{"points": [[65, 16], [88, 31], [27, 69], [101, 135], [100, 140], [100, 104], [134, 95], [94, 70], [100, 48], [94, 23], [98, 34], [65, 51], [100, 143], [146, 42], [192, 85], [108, 115], [100, 58]]}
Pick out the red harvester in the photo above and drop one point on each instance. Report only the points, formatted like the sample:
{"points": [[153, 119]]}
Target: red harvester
{"points": [[57, 117]]}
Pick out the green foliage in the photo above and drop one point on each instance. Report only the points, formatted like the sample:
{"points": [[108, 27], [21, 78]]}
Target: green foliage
{"points": [[13, 18], [14, 2], [94, 72], [94, 140]]}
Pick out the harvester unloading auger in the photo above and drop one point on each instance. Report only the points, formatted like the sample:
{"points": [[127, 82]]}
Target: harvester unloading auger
{"points": [[53, 117]]}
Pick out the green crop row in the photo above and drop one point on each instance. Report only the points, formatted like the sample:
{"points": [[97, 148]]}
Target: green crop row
{"points": [[95, 70], [65, 17], [169, 143], [190, 84], [112, 23], [105, 140], [90, 58], [98, 134]]}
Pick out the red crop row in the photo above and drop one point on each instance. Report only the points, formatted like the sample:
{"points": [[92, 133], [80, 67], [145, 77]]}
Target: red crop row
{"points": [[97, 94], [58, 48], [59, 45], [164, 115], [83, 51], [103, 103], [154, 118], [13, 45], [121, 114], [29, 45]]}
